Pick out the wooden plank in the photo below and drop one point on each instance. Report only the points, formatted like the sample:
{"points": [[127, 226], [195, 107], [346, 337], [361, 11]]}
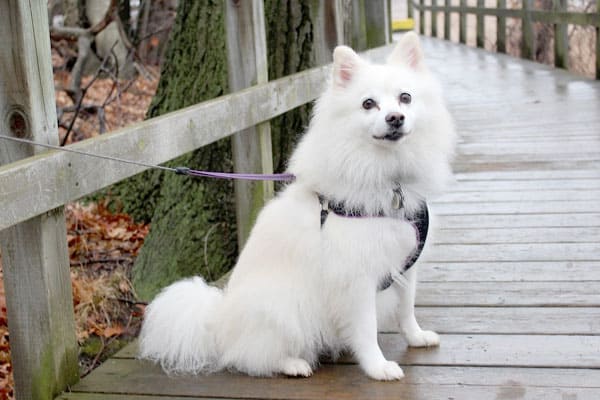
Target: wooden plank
{"points": [[509, 235], [251, 147], [510, 271], [529, 175], [516, 221], [34, 253], [348, 382], [36, 185], [518, 196], [517, 207], [543, 185], [511, 320], [105, 396], [505, 294], [515, 252]]}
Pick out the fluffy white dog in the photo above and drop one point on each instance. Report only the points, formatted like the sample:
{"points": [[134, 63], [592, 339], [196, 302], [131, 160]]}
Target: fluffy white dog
{"points": [[306, 283]]}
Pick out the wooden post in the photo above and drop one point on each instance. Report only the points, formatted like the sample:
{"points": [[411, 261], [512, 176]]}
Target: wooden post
{"points": [[561, 39], [324, 16], [358, 26], [480, 36], [410, 9], [422, 17], [34, 253], [527, 42], [447, 15], [252, 149], [377, 23], [462, 25], [501, 28], [434, 15], [598, 43]]}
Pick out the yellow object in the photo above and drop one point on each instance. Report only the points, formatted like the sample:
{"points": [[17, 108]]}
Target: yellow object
{"points": [[407, 24]]}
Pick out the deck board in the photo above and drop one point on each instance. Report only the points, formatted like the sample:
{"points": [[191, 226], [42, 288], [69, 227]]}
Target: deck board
{"points": [[512, 278]]}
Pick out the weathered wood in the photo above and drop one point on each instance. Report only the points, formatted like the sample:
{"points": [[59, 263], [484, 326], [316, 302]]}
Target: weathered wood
{"points": [[500, 29], [421, 17], [511, 320], [598, 42], [515, 294], [447, 22], [377, 23], [34, 253], [510, 271], [561, 197], [251, 148], [561, 39], [480, 28], [347, 381], [462, 23], [515, 252], [522, 207], [434, 20], [549, 17], [50, 179], [525, 235], [516, 221]]}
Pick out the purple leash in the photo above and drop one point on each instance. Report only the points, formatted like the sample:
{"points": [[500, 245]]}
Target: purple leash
{"points": [[179, 170]]}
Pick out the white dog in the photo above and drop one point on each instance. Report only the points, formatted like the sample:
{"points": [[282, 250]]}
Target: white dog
{"points": [[306, 283]]}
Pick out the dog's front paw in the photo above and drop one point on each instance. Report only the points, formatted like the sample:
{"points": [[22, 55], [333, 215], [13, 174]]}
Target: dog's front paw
{"points": [[296, 367], [385, 371], [423, 339]]}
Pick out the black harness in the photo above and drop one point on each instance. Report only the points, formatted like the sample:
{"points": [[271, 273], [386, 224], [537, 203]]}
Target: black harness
{"points": [[420, 220]]}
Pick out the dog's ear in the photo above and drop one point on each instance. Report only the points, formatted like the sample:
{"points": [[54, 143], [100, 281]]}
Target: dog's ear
{"points": [[345, 64], [408, 52]]}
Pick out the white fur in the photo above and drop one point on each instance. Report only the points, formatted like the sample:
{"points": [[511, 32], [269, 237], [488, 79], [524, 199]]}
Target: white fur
{"points": [[300, 290]]}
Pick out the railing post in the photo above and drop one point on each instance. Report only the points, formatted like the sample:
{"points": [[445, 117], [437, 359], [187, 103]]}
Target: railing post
{"points": [[252, 149], [377, 23], [501, 28], [462, 28], [527, 42], [434, 15], [34, 253], [422, 17], [561, 44], [480, 39], [598, 42], [447, 20]]}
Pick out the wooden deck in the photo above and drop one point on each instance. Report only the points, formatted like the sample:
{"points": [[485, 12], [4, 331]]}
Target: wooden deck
{"points": [[513, 281]]}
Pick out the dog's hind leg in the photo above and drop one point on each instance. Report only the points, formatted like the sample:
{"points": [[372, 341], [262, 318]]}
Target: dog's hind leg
{"points": [[396, 311]]}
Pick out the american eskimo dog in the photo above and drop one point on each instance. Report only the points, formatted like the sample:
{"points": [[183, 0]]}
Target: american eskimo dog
{"points": [[308, 281]]}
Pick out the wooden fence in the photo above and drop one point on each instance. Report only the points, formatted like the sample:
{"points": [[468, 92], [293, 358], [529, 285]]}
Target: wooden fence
{"points": [[559, 17], [36, 183]]}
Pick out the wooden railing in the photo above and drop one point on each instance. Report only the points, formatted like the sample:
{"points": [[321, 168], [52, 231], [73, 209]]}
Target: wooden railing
{"points": [[35, 183], [559, 17]]}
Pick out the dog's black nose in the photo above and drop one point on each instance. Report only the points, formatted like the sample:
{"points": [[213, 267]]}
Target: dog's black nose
{"points": [[394, 119]]}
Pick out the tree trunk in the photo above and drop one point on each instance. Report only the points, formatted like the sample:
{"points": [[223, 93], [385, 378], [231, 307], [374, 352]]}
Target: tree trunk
{"points": [[193, 220]]}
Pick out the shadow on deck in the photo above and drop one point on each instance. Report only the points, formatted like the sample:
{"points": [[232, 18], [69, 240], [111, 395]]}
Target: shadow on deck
{"points": [[513, 281]]}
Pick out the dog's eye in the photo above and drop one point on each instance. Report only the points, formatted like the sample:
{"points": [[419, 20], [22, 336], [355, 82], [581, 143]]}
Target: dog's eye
{"points": [[405, 98], [368, 104]]}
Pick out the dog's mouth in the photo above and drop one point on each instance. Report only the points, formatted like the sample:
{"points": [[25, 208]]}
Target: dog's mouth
{"points": [[392, 136]]}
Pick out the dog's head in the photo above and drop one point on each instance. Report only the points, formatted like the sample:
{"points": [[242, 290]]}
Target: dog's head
{"points": [[382, 103]]}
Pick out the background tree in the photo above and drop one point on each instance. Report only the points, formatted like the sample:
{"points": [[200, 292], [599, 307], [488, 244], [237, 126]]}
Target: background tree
{"points": [[193, 221]]}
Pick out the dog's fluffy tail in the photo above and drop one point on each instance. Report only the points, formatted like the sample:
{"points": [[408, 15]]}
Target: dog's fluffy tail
{"points": [[177, 330]]}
